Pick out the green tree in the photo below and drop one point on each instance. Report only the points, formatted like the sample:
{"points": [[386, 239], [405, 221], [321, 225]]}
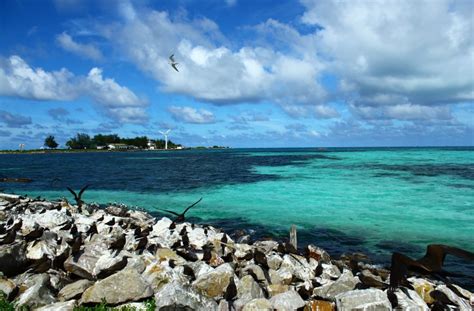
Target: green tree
{"points": [[81, 141], [104, 140], [50, 142]]}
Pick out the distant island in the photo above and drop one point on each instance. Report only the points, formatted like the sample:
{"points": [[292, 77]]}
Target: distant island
{"points": [[82, 142]]}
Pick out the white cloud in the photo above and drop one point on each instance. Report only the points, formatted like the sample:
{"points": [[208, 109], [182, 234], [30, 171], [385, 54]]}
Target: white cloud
{"points": [[18, 79], [85, 50], [209, 69], [191, 115], [119, 101], [410, 55]]}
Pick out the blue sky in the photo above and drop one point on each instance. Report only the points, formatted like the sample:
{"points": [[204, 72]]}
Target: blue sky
{"points": [[251, 73]]}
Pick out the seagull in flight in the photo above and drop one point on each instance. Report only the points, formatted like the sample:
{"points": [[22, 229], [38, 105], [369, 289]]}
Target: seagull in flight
{"points": [[173, 63]]}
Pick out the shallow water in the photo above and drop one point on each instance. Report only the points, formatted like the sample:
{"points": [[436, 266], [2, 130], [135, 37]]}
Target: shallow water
{"points": [[354, 199]]}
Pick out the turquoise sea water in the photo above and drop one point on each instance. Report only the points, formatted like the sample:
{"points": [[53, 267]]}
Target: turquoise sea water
{"points": [[372, 200]]}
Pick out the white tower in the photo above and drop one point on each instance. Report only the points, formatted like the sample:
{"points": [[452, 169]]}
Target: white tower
{"points": [[165, 133]]}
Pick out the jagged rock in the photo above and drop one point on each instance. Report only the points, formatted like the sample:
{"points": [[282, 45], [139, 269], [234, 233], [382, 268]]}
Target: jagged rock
{"points": [[8, 287], [257, 304], [197, 237], [200, 268], [274, 261], [74, 290], [85, 264], [345, 283], [108, 264], [13, 258], [58, 279], [174, 295], [214, 283], [290, 300], [137, 263], [371, 280], [319, 305], [59, 306], [255, 269], [223, 306], [317, 253], [275, 289], [163, 254], [410, 301], [162, 226], [123, 286], [249, 289], [367, 299], [157, 275], [242, 250], [330, 272], [280, 276], [49, 219], [115, 210], [37, 294], [423, 288], [298, 266], [462, 304], [266, 246], [40, 249]]}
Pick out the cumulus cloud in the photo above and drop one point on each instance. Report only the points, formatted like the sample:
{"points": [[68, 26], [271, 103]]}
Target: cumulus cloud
{"points": [[121, 103], [14, 120], [84, 50], [210, 70], [191, 115], [410, 55], [18, 79]]}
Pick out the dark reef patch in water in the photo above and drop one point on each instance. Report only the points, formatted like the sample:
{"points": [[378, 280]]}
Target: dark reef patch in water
{"points": [[465, 171], [171, 172]]}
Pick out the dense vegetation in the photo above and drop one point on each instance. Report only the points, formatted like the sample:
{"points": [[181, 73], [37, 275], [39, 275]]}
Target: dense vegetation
{"points": [[84, 141], [50, 142]]}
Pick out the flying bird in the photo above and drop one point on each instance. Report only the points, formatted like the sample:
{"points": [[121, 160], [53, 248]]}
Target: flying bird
{"points": [[180, 217], [173, 63], [77, 197]]}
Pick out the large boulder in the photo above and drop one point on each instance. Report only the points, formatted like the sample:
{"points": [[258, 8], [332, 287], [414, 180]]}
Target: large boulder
{"points": [[248, 288], [59, 306], [298, 266], [123, 286], [158, 274], [74, 290], [367, 299], [84, 265], [214, 283], [290, 300], [13, 258], [257, 305], [344, 283], [8, 287], [176, 296], [37, 293], [462, 304], [409, 300]]}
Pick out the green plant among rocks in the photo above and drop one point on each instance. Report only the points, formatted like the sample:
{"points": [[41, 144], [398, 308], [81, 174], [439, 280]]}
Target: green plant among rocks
{"points": [[150, 305]]}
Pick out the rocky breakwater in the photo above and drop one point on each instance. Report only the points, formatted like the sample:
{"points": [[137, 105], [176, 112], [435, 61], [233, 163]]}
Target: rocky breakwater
{"points": [[58, 256]]}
